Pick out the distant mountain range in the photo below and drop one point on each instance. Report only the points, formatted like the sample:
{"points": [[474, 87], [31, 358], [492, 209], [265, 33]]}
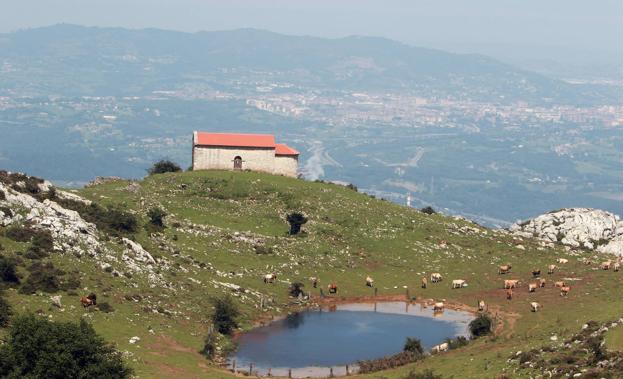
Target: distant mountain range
{"points": [[72, 60]]}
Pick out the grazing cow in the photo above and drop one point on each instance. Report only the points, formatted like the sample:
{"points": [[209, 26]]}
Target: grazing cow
{"points": [[314, 281], [551, 269], [511, 283], [270, 278], [89, 300], [536, 273], [436, 277], [605, 265], [616, 266], [559, 284], [588, 262], [562, 261], [505, 269], [509, 294], [459, 283], [439, 348], [564, 291], [482, 306], [438, 307], [532, 287], [542, 283], [535, 306], [332, 288], [369, 282], [424, 282]]}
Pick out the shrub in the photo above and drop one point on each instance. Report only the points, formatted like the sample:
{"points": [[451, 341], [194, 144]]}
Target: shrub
{"points": [[105, 307], [426, 374], [413, 345], [296, 220], [42, 243], [2, 195], [263, 250], [5, 313], [113, 220], [428, 210], [385, 363], [225, 314], [209, 346], [43, 277], [156, 217], [38, 348], [164, 166], [6, 210], [481, 326], [296, 289], [460, 341], [19, 233], [352, 187], [8, 273]]}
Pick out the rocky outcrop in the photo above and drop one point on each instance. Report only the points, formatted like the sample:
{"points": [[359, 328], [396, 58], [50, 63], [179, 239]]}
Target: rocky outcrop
{"points": [[587, 228]]}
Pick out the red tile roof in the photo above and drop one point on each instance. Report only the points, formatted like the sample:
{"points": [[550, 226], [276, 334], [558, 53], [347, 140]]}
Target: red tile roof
{"points": [[281, 149], [235, 140]]}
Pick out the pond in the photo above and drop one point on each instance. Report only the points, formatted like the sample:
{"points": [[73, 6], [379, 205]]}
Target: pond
{"points": [[311, 342]]}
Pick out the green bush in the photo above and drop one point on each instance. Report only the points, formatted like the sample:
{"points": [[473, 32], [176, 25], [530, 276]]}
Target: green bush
{"points": [[413, 345], [105, 307], [296, 220], [156, 217], [5, 313], [296, 289], [38, 348], [2, 195], [8, 272], [209, 346], [426, 374], [460, 341], [225, 314], [6, 210], [481, 326], [113, 220], [19, 233], [164, 166], [428, 210], [43, 277]]}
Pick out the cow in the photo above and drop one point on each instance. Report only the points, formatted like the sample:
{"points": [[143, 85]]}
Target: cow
{"points": [[436, 277], [616, 266], [505, 269], [90, 299], [438, 307], [564, 291], [439, 348], [559, 284], [605, 265], [532, 287], [270, 278], [542, 283], [369, 282], [562, 261], [482, 306], [459, 283], [509, 294], [332, 288], [551, 269], [511, 283], [536, 273], [535, 306], [424, 282], [314, 281]]}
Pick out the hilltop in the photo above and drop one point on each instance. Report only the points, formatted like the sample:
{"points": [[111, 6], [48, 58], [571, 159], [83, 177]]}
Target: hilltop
{"points": [[224, 231]]}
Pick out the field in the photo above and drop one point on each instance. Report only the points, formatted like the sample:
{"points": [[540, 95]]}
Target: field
{"points": [[226, 230]]}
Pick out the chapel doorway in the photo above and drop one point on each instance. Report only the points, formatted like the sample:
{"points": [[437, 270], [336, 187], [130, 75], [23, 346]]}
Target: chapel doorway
{"points": [[238, 163]]}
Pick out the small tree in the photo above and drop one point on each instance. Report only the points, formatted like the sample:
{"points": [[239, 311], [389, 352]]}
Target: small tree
{"points": [[481, 326], [413, 345], [8, 273], [209, 346], [156, 217], [5, 312], [225, 314], [296, 220], [164, 166]]}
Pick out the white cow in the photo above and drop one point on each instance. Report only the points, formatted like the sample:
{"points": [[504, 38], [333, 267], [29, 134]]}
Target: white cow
{"points": [[439, 348], [459, 283], [270, 278], [436, 277], [369, 282], [535, 306], [563, 261], [438, 307]]}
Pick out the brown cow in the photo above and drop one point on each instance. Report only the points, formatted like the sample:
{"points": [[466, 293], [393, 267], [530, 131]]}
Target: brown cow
{"points": [[88, 300], [536, 273], [505, 269], [509, 294], [542, 283], [559, 284], [616, 266], [605, 265], [332, 288], [482, 306], [564, 291], [551, 269], [511, 283], [532, 287], [424, 282]]}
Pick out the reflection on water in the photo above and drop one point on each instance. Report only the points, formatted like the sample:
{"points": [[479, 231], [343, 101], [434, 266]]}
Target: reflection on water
{"points": [[351, 332]]}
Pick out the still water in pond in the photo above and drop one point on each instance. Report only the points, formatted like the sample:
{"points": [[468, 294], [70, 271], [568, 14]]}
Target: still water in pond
{"points": [[352, 332]]}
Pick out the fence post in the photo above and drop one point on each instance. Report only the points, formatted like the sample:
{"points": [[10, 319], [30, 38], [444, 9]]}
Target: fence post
{"points": [[376, 291], [250, 368], [407, 294], [347, 373], [330, 372], [233, 365], [289, 373], [269, 372]]}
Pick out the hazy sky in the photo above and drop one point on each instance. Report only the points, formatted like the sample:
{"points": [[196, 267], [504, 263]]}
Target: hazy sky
{"points": [[460, 25]]}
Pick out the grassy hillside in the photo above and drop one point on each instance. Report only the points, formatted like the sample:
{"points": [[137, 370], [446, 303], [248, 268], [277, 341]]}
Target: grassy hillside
{"points": [[226, 230]]}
